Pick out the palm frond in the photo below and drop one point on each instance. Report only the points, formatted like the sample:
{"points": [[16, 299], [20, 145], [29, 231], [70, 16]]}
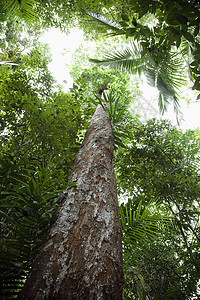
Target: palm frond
{"points": [[128, 59], [142, 224], [109, 25], [8, 62], [25, 214], [20, 9], [163, 70]]}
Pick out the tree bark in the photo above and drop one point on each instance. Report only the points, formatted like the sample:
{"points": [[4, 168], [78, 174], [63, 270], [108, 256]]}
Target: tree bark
{"points": [[82, 254]]}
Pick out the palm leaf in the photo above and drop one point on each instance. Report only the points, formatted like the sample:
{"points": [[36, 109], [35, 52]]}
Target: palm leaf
{"points": [[25, 214], [141, 224], [103, 23], [162, 70], [128, 59], [20, 9]]}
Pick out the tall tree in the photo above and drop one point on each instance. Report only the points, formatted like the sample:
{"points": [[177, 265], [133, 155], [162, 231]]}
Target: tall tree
{"points": [[39, 141], [81, 257]]}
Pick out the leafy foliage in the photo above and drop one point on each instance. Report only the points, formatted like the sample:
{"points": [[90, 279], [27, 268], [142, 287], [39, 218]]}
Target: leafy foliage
{"points": [[120, 117], [140, 228], [164, 70], [20, 9], [99, 80], [39, 140], [157, 166], [111, 89], [99, 22], [26, 210], [162, 165], [141, 224], [164, 26]]}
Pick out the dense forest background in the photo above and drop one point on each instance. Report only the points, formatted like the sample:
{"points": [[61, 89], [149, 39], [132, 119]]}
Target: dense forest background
{"points": [[42, 128]]}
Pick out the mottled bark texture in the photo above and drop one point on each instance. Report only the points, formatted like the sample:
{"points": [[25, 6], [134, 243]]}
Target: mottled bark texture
{"points": [[82, 256]]}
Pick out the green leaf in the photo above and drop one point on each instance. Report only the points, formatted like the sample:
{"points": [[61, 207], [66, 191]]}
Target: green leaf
{"points": [[20, 9], [178, 42], [134, 22], [174, 30], [123, 24], [130, 31], [194, 63], [181, 19], [125, 17], [105, 23], [171, 18], [188, 36], [196, 85], [138, 211], [196, 31], [74, 183]]}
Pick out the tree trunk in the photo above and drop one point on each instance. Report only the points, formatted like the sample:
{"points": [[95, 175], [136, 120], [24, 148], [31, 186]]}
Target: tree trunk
{"points": [[82, 254]]}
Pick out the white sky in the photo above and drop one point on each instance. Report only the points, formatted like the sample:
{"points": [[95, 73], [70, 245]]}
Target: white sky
{"points": [[60, 42]]}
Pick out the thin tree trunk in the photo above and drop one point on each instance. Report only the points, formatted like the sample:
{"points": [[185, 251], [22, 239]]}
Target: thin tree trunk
{"points": [[82, 255]]}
